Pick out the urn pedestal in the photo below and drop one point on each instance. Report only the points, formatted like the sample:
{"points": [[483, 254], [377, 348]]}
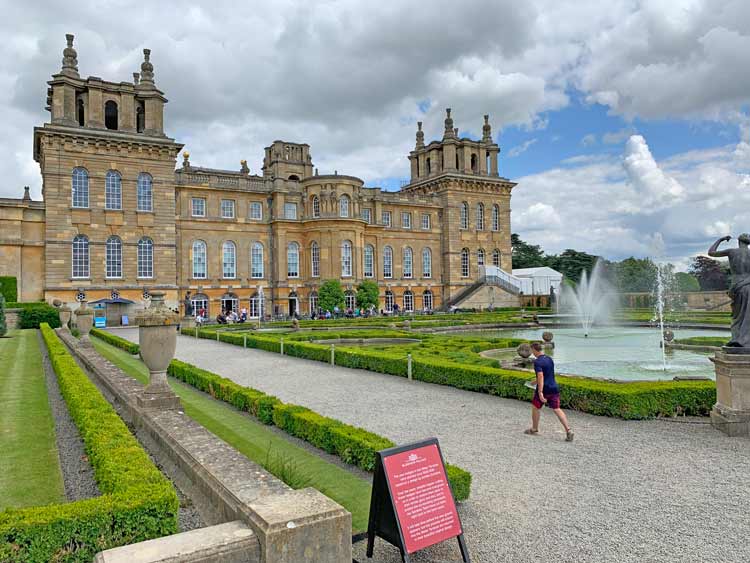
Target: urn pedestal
{"points": [[84, 321], [65, 314], [157, 338], [731, 413]]}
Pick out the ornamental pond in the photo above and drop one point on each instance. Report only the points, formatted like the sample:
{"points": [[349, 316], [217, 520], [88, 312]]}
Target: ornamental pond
{"points": [[621, 353]]}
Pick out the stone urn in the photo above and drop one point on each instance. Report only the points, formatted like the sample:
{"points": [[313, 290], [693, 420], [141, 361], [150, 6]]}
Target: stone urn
{"points": [[668, 335], [295, 325], [65, 314], [548, 338], [407, 325], [157, 337], [84, 320], [524, 350]]}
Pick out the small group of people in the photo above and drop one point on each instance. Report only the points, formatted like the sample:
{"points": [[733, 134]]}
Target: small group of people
{"points": [[231, 316], [349, 313]]}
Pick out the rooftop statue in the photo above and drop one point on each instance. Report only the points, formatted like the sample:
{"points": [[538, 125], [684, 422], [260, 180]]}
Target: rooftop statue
{"points": [[739, 264]]}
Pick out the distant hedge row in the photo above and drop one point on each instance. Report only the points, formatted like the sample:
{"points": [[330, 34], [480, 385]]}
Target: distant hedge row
{"points": [[109, 338], [137, 502], [9, 288], [353, 445], [629, 400]]}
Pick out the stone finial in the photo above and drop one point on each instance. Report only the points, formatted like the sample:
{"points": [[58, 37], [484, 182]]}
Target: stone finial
{"points": [[243, 167], [316, 171], [26, 194], [70, 58], [136, 78], [186, 160], [147, 69], [420, 135], [449, 132], [487, 130], [455, 131], [335, 172]]}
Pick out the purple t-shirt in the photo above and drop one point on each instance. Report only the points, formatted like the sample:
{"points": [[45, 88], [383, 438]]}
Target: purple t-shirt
{"points": [[545, 364]]}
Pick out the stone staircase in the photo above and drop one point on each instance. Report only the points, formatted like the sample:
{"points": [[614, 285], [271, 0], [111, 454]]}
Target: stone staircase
{"points": [[492, 277]]}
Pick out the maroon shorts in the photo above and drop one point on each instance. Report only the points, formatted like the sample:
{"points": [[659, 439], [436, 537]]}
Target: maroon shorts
{"points": [[553, 401]]}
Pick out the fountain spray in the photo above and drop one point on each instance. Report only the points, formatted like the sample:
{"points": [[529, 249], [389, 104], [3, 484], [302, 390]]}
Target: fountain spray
{"points": [[660, 314]]}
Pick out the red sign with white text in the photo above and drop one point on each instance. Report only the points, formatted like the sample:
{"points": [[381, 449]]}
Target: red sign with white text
{"points": [[422, 497]]}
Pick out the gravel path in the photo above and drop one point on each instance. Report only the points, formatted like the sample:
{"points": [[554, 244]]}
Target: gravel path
{"points": [[78, 476], [623, 491]]}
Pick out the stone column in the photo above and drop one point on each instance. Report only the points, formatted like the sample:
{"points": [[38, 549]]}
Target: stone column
{"points": [[731, 413], [157, 337], [84, 320]]}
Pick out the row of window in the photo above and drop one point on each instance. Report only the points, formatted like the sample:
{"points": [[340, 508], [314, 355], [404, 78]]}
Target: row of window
{"points": [[466, 263], [229, 260], [231, 302], [113, 257], [480, 216], [255, 212], [112, 190]]}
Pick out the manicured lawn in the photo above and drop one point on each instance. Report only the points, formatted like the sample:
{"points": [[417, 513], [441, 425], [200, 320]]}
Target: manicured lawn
{"points": [[29, 466], [254, 440]]}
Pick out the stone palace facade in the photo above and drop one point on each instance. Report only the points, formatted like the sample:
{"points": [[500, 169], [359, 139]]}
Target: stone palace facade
{"points": [[119, 217]]}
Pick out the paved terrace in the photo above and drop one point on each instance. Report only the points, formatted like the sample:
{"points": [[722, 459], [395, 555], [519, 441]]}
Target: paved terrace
{"points": [[623, 491]]}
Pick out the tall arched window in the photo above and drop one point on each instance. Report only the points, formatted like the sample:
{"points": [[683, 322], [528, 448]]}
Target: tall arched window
{"points": [[145, 258], [140, 116], [80, 187], [426, 263], [464, 215], [496, 217], [199, 260], [112, 190], [496, 258], [389, 300], [480, 216], [315, 260], [480, 257], [256, 261], [465, 263], [387, 262], [80, 112], [114, 257], [344, 206], [229, 260], [292, 260], [110, 115], [427, 300], [429, 166], [145, 192], [346, 259], [315, 206], [474, 163], [81, 257], [369, 260], [408, 302], [408, 263]]}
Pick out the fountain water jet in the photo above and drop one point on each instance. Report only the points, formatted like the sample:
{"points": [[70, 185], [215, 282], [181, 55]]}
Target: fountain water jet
{"points": [[591, 301]]}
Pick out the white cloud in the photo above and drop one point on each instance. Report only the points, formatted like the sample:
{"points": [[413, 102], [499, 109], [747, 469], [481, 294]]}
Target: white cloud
{"points": [[654, 187], [617, 137], [522, 148], [588, 140]]}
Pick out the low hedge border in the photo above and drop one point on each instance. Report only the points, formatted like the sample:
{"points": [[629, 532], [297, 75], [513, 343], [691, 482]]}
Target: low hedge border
{"points": [[32, 316], [137, 502], [118, 342], [353, 445], [628, 400]]}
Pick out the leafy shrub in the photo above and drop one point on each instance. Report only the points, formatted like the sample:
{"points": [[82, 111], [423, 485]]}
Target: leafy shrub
{"points": [[137, 502], [703, 341], [353, 445], [117, 341], [36, 314], [9, 288]]}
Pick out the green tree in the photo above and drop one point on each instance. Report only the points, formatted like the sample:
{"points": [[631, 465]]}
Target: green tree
{"points": [[571, 263], [368, 294], [525, 255], [633, 274], [687, 282], [712, 275], [331, 295], [3, 327]]}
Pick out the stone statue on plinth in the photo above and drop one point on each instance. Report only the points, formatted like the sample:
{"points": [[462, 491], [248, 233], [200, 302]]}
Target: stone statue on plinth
{"points": [[731, 413], [739, 265], [188, 305]]}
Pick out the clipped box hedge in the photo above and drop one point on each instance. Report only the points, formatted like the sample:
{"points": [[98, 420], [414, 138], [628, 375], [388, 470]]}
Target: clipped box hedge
{"points": [[353, 445], [9, 288], [123, 344], [137, 502], [32, 315], [628, 400]]}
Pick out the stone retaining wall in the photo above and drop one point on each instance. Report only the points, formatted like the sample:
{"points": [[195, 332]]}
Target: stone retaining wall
{"points": [[290, 526]]}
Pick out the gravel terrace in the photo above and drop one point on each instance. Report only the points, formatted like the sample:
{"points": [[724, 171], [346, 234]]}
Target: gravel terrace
{"points": [[623, 491]]}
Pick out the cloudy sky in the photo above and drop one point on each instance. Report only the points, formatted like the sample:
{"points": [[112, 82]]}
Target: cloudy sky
{"points": [[624, 122]]}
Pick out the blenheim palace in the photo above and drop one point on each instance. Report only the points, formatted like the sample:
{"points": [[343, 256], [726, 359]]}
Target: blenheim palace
{"points": [[120, 218]]}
